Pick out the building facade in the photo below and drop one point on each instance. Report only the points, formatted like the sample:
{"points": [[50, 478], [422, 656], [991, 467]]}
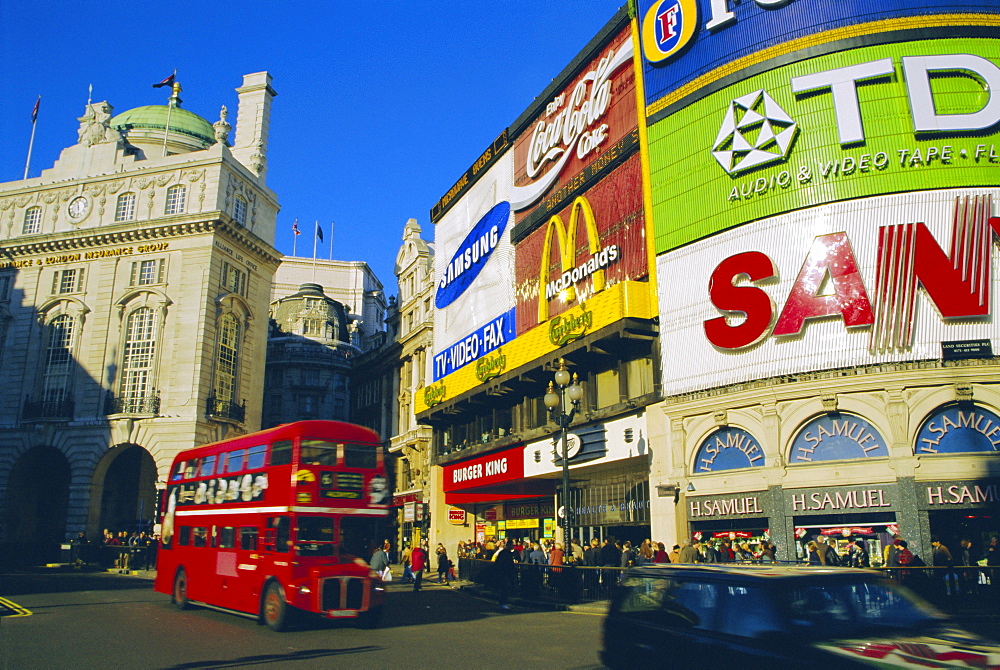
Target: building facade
{"points": [[352, 284], [825, 183], [543, 259], [309, 358], [134, 285], [411, 441]]}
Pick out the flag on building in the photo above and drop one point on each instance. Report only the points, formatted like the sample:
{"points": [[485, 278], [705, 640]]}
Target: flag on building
{"points": [[169, 81], [319, 231], [34, 112], [295, 228]]}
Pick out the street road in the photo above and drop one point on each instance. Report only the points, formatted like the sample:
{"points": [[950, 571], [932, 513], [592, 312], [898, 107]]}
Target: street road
{"points": [[113, 621]]}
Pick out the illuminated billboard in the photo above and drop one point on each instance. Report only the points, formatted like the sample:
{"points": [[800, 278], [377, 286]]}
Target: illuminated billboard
{"points": [[580, 225], [691, 48], [864, 281], [473, 265], [857, 123]]}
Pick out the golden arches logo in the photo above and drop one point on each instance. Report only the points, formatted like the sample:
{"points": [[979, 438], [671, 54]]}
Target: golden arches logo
{"points": [[565, 285]]}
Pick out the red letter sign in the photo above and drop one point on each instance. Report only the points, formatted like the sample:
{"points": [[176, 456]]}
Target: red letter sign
{"points": [[830, 255], [750, 300]]}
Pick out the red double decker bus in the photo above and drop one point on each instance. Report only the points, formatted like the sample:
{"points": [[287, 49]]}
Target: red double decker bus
{"points": [[277, 522]]}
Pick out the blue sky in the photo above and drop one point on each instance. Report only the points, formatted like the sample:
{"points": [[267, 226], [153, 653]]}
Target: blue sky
{"points": [[380, 108]]}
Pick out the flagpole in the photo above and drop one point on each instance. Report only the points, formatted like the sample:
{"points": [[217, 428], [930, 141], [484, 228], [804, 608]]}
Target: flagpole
{"points": [[31, 142], [332, 224], [295, 236], [175, 90], [315, 240]]}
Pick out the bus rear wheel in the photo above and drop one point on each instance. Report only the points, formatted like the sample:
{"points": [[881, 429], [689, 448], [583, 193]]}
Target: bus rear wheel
{"points": [[180, 590], [274, 609]]}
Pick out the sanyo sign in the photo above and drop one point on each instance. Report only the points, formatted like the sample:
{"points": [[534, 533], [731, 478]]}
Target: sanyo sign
{"points": [[830, 283]]}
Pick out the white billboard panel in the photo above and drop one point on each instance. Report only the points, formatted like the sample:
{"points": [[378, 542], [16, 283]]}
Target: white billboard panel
{"points": [[852, 283], [474, 270]]}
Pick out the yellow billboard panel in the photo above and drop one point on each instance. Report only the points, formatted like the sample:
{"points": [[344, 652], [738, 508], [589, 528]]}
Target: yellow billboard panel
{"points": [[627, 299]]}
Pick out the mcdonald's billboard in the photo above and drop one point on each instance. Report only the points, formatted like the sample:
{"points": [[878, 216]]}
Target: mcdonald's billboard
{"points": [[595, 241]]}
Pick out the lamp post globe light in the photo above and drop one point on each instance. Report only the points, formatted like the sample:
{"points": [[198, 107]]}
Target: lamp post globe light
{"points": [[562, 404]]}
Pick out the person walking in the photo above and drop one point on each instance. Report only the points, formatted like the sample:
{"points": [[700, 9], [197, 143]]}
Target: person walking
{"points": [[404, 558], [506, 574], [443, 563], [418, 563], [689, 553], [941, 558], [380, 563]]}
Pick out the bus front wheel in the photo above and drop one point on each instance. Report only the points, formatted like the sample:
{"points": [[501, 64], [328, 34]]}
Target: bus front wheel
{"points": [[180, 590], [274, 610]]}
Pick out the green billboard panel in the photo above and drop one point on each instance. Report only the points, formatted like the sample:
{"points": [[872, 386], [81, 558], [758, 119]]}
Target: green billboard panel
{"points": [[862, 122]]}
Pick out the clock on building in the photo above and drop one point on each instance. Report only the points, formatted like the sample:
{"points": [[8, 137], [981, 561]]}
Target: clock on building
{"points": [[78, 208]]}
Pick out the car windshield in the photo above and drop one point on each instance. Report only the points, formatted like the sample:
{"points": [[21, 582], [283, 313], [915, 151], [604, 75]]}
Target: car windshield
{"points": [[839, 608]]}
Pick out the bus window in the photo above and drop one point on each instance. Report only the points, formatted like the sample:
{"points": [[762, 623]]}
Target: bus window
{"points": [[179, 472], [191, 469], [281, 452], [356, 536], [207, 466], [200, 536], [361, 456], [234, 461], [227, 537], [314, 536], [318, 452], [255, 457], [248, 538], [276, 536], [184, 536]]}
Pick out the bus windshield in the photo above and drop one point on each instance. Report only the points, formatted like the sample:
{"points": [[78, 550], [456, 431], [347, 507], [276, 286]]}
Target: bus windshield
{"points": [[318, 452], [315, 536]]}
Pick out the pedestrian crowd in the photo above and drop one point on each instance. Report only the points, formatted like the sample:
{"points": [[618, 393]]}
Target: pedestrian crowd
{"points": [[122, 551]]}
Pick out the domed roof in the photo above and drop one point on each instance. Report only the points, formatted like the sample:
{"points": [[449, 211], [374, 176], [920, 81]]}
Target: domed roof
{"points": [[149, 122]]}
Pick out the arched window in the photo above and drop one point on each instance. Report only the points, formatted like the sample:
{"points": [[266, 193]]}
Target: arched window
{"points": [[136, 391], [125, 209], [176, 196], [32, 221], [240, 211], [228, 361], [58, 359]]}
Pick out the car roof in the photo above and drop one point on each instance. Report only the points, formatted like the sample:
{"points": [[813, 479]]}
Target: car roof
{"points": [[743, 571]]}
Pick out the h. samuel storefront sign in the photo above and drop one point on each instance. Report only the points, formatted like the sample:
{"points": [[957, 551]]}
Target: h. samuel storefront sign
{"points": [[852, 124]]}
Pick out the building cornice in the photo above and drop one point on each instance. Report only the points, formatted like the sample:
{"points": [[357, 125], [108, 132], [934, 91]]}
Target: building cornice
{"points": [[128, 233]]}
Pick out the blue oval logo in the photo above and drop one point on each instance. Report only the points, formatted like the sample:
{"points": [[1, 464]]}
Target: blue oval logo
{"points": [[472, 254]]}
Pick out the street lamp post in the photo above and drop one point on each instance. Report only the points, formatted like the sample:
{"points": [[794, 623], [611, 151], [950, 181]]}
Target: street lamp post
{"points": [[562, 413]]}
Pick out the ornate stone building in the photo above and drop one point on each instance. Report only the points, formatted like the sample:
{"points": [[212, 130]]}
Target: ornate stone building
{"points": [[135, 276], [386, 377], [411, 441], [309, 357]]}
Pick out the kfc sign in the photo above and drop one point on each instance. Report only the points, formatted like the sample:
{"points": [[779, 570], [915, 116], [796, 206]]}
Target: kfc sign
{"points": [[829, 283]]}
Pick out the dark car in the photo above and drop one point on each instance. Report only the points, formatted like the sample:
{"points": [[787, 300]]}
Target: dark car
{"points": [[684, 616]]}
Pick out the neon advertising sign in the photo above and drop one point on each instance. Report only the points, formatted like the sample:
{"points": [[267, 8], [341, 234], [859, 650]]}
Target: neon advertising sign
{"points": [[472, 254], [829, 283], [572, 126]]}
